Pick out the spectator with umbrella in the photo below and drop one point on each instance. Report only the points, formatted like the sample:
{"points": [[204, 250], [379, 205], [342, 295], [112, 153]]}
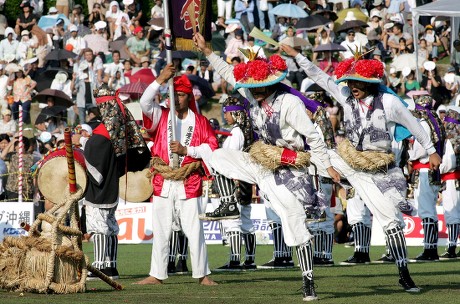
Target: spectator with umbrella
{"points": [[322, 38]]}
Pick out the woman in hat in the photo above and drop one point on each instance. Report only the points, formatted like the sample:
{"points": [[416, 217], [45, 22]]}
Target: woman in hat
{"points": [[26, 19], [365, 103], [282, 124], [22, 94], [7, 125]]}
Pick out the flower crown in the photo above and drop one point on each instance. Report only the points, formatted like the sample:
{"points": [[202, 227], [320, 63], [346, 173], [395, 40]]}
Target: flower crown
{"points": [[259, 72], [356, 68]]}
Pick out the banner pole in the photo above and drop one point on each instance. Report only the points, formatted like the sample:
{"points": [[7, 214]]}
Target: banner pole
{"points": [[172, 102]]}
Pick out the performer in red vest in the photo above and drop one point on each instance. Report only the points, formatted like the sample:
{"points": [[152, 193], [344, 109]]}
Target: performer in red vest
{"points": [[177, 191]]}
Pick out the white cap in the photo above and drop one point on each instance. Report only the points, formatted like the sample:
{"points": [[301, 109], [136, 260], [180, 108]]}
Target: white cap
{"points": [[87, 128], [376, 13], [350, 16], [100, 25], [25, 33], [128, 2], [52, 10], [396, 18], [45, 137], [73, 28], [392, 70], [9, 30]]}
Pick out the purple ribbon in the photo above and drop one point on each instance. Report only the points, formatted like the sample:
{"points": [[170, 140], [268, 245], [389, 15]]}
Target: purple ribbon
{"points": [[439, 144], [310, 104], [233, 108], [451, 120]]}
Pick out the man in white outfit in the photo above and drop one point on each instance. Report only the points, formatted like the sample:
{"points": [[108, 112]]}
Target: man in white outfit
{"points": [[281, 121], [365, 159], [177, 191]]}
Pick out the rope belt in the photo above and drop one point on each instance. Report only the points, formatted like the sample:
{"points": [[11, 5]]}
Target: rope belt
{"points": [[273, 157], [160, 167], [367, 161]]}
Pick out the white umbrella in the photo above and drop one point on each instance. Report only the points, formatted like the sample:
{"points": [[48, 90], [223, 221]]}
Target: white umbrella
{"points": [[289, 10], [406, 60]]}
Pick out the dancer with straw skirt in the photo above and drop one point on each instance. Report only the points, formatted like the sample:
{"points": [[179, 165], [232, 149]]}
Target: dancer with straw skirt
{"points": [[277, 163], [371, 115]]}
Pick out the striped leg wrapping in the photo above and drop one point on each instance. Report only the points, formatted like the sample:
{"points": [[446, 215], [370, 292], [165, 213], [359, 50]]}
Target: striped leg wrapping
{"points": [[173, 246], [397, 245], [453, 230], [318, 244], [281, 250], [234, 239], [430, 229], [112, 248], [182, 248], [225, 186], [250, 246], [328, 239], [362, 236], [305, 256], [99, 249]]}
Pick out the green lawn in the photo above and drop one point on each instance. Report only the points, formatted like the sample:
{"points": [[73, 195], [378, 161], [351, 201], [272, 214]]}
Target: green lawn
{"points": [[373, 283]]}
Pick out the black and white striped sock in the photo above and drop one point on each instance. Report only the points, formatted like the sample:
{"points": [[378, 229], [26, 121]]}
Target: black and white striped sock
{"points": [[318, 243], [430, 230], [234, 239], [173, 246], [328, 239], [362, 237], [281, 249], [397, 245], [250, 246], [225, 186], [453, 230], [112, 247], [182, 248], [305, 256], [100, 250]]}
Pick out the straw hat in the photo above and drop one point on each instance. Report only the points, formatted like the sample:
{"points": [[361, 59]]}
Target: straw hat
{"points": [[258, 72]]}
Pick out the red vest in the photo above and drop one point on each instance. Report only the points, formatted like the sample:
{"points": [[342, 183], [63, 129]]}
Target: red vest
{"points": [[202, 133]]}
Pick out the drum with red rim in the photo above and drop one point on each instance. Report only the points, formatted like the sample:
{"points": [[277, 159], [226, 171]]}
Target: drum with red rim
{"points": [[53, 176]]}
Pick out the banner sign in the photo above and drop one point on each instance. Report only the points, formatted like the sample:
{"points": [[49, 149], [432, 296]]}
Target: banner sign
{"points": [[12, 214]]}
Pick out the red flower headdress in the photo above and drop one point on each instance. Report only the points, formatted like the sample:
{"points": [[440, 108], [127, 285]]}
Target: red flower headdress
{"points": [[259, 72], [356, 68]]}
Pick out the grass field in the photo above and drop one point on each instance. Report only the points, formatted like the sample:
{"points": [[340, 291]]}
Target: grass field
{"points": [[374, 283]]}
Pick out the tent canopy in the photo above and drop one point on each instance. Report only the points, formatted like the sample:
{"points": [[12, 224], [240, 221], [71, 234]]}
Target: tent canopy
{"points": [[445, 8]]}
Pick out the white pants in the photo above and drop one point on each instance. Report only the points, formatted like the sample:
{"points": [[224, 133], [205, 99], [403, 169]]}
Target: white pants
{"points": [[238, 165], [451, 203], [357, 212], [426, 196], [166, 210], [101, 220], [382, 206], [224, 9]]}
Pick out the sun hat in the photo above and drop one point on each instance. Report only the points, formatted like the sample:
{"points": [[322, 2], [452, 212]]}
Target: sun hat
{"points": [[25, 33], [52, 10], [392, 70], [259, 72], [376, 14], [6, 112], [100, 25], [356, 68]]}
